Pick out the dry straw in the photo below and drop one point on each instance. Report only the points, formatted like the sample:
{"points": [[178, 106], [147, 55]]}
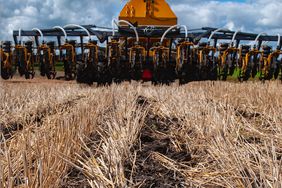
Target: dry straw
{"points": [[199, 135]]}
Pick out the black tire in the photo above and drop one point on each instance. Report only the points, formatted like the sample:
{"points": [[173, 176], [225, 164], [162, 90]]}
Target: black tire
{"points": [[27, 75], [5, 74], [254, 72], [182, 81], [280, 72], [270, 73], [136, 73], [155, 78], [48, 71], [224, 73], [213, 73], [49, 76], [104, 77], [247, 75], [42, 69], [69, 74], [204, 73], [21, 64], [21, 70], [85, 75], [277, 70]]}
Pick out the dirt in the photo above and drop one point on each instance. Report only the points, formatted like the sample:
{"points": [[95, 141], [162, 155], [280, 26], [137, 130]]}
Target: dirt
{"points": [[154, 138], [148, 171], [74, 179], [247, 115]]}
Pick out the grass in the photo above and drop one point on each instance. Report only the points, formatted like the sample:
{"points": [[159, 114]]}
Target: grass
{"points": [[204, 134]]}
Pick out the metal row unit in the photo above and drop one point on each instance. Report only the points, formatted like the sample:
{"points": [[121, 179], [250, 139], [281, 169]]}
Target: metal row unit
{"points": [[145, 43]]}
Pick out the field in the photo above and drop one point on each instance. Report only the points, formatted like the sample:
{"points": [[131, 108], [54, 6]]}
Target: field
{"points": [[203, 134]]}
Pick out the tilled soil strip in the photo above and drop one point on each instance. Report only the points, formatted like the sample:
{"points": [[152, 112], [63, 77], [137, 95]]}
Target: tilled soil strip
{"points": [[148, 170]]}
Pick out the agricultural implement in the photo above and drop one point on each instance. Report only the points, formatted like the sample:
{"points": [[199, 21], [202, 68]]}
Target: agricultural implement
{"points": [[23, 59], [6, 60], [145, 44], [46, 59]]}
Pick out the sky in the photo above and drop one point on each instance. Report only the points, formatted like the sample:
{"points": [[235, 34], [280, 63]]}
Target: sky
{"points": [[246, 15]]}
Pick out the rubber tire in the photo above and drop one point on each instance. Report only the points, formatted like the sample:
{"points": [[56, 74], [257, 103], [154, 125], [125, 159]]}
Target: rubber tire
{"points": [[5, 74], [85, 75]]}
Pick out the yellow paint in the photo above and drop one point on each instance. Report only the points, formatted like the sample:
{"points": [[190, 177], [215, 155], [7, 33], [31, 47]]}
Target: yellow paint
{"points": [[134, 50], [46, 48], [183, 58], [226, 53], [70, 47], [144, 13], [5, 57], [90, 47]]}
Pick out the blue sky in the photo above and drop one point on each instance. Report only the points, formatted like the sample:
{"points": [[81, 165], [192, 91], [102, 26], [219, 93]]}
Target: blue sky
{"points": [[246, 15]]}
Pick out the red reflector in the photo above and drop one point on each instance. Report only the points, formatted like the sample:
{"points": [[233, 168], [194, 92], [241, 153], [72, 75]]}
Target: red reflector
{"points": [[147, 75]]}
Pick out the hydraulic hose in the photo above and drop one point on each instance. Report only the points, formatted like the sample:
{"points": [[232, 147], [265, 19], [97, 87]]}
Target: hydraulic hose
{"points": [[41, 34], [171, 28], [115, 22], [63, 30], [214, 32], [81, 27], [279, 41], [20, 36], [256, 40], [234, 37]]}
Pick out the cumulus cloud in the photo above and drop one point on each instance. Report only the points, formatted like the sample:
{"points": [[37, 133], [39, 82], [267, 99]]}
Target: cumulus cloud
{"points": [[251, 16], [248, 15], [27, 14]]}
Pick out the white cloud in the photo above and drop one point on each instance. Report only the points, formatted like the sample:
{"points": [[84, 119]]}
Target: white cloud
{"points": [[251, 16], [30, 11], [27, 14]]}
